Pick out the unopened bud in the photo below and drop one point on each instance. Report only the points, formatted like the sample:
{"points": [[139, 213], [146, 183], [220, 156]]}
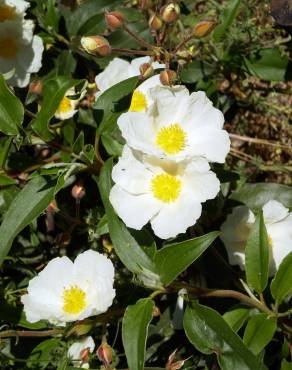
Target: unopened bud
{"points": [[168, 77], [78, 192], [105, 353], [203, 28], [114, 20], [81, 328], [52, 207], [174, 365], [36, 87], [146, 70], [170, 12], [96, 45], [84, 355], [155, 22], [156, 311]]}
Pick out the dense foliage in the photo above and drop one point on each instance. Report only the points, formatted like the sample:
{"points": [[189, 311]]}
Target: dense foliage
{"points": [[208, 287]]}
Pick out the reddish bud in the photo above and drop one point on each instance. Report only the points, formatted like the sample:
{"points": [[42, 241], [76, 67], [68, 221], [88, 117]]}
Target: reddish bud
{"points": [[170, 12], [96, 45], [36, 87], [114, 20], [155, 22], [78, 192], [84, 355], [172, 364], [52, 207], [146, 70], [105, 353], [168, 77], [203, 28]]}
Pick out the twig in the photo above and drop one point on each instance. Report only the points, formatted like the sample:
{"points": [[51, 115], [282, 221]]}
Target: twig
{"points": [[258, 141]]}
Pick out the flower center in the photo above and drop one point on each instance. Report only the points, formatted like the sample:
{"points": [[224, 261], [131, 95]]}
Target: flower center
{"points": [[8, 47], [166, 187], [74, 300], [65, 105], [7, 13], [138, 102], [171, 139]]}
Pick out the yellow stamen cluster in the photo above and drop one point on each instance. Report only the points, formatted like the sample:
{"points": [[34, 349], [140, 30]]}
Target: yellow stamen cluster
{"points": [[8, 48], [138, 102], [74, 300], [166, 187], [65, 105], [171, 139]]}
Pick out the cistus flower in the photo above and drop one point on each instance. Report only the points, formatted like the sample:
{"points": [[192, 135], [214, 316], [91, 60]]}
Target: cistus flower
{"points": [[182, 126], [66, 291], [12, 10], [119, 70], [19, 50], [67, 107], [167, 194], [235, 231], [79, 352]]}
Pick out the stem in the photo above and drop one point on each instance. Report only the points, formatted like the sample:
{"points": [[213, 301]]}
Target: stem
{"points": [[140, 40], [132, 51], [258, 141], [30, 333], [182, 43]]}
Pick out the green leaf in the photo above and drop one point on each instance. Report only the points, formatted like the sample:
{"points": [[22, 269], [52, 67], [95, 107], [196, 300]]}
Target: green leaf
{"points": [[229, 14], [257, 195], [65, 63], [5, 143], [259, 332], [53, 92], [281, 286], [29, 203], [257, 255], [268, 64], [285, 365], [236, 317], [41, 355], [209, 333], [134, 332], [173, 259], [11, 110], [126, 247], [195, 71]]}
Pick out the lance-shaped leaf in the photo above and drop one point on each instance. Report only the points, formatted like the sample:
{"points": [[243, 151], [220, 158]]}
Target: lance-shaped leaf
{"points": [[209, 333], [29, 203], [11, 110], [173, 259], [229, 14], [281, 286], [257, 255], [53, 92], [259, 332], [134, 332]]}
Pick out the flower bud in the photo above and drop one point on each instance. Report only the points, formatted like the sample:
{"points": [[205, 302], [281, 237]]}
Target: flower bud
{"points": [[105, 353], [114, 20], [78, 192], [146, 70], [156, 311], [170, 12], [84, 355], [36, 87], [52, 207], [203, 28], [168, 77], [155, 22], [81, 328], [96, 45]]}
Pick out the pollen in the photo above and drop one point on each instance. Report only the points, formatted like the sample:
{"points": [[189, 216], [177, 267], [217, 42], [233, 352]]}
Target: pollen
{"points": [[8, 48], [171, 139], [166, 187], [138, 102], [74, 300], [64, 106], [7, 13]]}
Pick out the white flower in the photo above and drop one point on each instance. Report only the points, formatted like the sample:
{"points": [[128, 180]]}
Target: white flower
{"points": [[278, 221], [119, 70], [181, 126], [19, 50], [168, 195], [76, 351], [65, 291], [67, 106], [12, 10]]}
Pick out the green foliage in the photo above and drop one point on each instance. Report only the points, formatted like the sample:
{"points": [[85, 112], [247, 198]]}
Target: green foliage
{"points": [[281, 285]]}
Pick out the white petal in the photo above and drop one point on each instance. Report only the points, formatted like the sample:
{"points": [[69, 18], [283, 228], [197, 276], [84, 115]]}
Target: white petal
{"points": [[137, 130], [174, 218], [213, 144], [137, 62], [37, 52], [130, 174], [77, 347], [115, 72], [134, 210], [274, 211], [20, 5]]}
